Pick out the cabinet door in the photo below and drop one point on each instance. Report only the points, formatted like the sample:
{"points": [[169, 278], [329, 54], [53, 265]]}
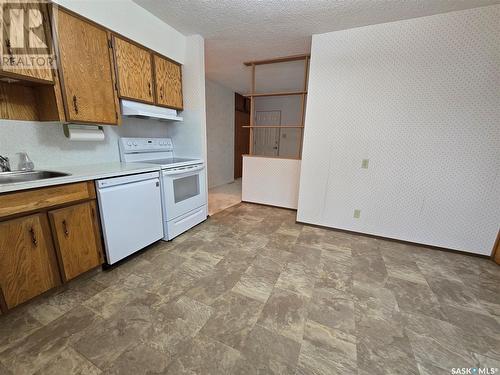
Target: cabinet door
{"points": [[77, 238], [134, 71], [28, 265], [168, 77], [87, 77], [26, 52]]}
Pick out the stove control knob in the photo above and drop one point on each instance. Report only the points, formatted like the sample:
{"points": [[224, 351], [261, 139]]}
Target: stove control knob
{"points": [[135, 143], [129, 143]]}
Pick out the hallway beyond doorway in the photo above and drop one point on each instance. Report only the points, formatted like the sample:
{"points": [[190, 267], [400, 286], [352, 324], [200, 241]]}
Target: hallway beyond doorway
{"points": [[224, 196]]}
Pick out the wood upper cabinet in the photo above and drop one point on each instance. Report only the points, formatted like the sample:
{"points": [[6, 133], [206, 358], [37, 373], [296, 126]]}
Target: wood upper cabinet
{"points": [[168, 79], [28, 264], [77, 239], [18, 50], [134, 71], [87, 77]]}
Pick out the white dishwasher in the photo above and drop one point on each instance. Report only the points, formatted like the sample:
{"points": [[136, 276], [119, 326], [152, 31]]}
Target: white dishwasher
{"points": [[131, 213]]}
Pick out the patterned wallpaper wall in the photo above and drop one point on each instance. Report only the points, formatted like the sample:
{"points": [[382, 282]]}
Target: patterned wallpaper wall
{"points": [[420, 99]]}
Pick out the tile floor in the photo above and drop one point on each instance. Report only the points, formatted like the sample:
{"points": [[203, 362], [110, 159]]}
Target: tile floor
{"points": [[224, 196], [251, 292]]}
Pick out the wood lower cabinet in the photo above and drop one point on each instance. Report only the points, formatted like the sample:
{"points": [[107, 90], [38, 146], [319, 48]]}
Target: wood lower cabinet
{"points": [[47, 236], [134, 71], [87, 77], [75, 231], [168, 80], [28, 265]]}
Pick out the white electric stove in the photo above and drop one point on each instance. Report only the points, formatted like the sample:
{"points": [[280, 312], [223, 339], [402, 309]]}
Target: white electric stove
{"points": [[182, 181]]}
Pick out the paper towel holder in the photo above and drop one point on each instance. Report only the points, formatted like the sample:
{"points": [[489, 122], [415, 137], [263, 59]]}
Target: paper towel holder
{"points": [[68, 127]]}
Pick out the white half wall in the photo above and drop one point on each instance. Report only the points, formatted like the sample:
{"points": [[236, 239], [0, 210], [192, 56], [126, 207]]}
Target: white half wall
{"points": [[271, 181], [420, 99], [220, 134]]}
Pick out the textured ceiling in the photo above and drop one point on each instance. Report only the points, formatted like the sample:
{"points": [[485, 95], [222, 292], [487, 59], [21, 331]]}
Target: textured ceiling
{"points": [[242, 30]]}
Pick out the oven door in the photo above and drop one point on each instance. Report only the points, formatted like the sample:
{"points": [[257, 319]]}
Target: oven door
{"points": [[184, 190]]}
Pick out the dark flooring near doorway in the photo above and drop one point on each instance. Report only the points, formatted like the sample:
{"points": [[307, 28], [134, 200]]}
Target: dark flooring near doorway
{"points": [[251, 292]]}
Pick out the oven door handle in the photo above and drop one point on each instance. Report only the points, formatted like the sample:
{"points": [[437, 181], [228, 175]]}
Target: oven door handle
{"points": [[183, 171]]}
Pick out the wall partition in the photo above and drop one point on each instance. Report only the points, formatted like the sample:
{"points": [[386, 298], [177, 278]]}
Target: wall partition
{"points": [[402, 135], [277, 109]]}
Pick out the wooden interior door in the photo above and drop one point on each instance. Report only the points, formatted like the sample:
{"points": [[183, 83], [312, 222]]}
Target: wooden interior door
{"points": [[134, 71], [21, 41], [28, 264], [77, 238], [168, 77], [87, 77], [241, 134]]}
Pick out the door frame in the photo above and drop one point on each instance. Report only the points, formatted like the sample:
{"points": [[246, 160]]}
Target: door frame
{"points": [[241, 135]]}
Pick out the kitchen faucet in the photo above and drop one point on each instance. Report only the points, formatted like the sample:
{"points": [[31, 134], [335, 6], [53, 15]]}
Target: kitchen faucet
{"points": [[4, 164]]}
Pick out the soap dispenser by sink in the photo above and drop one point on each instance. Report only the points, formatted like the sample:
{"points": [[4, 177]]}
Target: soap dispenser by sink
{"points": [[25, 163]]}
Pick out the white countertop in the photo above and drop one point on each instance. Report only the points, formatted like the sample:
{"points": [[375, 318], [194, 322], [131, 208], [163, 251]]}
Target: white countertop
{"points": [[83, 173]]}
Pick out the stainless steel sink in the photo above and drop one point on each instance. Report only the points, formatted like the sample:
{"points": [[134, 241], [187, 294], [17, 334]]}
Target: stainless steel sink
{"points": [[24, 176]]}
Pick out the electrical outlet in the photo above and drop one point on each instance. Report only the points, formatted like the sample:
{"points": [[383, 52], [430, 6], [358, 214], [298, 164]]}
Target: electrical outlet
{"points": [[364, 163], [357, 213]]}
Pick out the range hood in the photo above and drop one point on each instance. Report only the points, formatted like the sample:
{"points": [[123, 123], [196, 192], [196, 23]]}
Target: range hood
{"points": [[148, 111]]}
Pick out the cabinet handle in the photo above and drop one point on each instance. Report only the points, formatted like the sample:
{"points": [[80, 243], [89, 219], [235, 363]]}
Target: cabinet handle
{"points": [[161, 92], [9, 52], [75, 104], [149, 88], [65, 228], [33, 237]]}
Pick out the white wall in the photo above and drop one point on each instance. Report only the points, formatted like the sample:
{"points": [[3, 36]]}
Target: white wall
{"points": [[129, 19], [45, 142], [220, 134], [420, 99], [291, 109], [189, 136], [47, 146], [271, 181]]}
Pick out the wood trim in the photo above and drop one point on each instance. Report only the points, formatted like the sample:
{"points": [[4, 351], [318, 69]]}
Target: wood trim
{"points": [[252, 110], [277, 60], [55, 43], [495, 254], [303, 108], [26, 201], [284, 93], [97, 229], [445, 249], [24, 79], [114, 78]]}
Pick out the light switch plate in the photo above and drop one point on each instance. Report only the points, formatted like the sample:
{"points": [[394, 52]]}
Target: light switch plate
{"points": [[364, 163], [357, 214]]}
